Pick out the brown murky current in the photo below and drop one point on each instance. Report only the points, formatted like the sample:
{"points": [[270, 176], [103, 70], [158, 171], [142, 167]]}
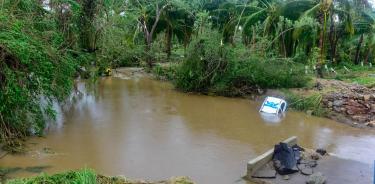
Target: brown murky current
{"points": [[144, 129]]}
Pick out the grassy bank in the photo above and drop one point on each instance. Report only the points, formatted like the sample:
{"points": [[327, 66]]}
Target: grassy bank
{"points": [[84, 176], [89, 176]]}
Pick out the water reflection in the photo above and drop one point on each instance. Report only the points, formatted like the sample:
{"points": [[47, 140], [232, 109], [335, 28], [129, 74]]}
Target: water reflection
{"points": [[272, 118]]}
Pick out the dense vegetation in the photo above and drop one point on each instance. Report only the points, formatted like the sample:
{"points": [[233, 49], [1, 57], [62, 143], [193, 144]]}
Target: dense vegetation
{"points": [[229, 47], [84, 176], [88, 176]]}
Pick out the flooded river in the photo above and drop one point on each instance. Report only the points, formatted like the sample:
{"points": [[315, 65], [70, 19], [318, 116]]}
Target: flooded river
{"points": [[144, 129]]}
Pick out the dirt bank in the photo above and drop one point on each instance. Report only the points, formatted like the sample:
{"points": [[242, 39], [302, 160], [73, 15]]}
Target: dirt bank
{"points": [[347, 103], [130, 73]]}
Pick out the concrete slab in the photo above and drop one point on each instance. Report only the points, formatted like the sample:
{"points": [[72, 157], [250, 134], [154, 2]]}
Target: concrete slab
{"points": [[336, 170], [256, 163]]}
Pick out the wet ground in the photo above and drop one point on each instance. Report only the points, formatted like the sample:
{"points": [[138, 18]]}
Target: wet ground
{"points": [[333, 169], [142, 128]]}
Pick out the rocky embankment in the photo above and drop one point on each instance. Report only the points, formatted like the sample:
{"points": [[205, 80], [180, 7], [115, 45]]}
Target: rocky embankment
{"points": [[348, 103]]}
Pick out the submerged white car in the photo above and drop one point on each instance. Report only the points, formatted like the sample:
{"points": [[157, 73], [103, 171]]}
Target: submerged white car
{"points": [[273, 105]]}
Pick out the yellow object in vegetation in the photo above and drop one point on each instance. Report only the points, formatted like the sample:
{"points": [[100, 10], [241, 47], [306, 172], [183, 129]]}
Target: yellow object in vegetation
{"points": [[108, 72]]}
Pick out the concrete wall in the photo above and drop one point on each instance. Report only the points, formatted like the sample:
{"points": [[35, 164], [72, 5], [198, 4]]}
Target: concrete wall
{"points": [[256, 163]]}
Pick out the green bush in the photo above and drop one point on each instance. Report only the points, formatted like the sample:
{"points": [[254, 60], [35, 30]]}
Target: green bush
{"points": [[311, 103], [33, 71], [165, 72], [84, 176], [270, 73], [212, 67], [204, 65]]}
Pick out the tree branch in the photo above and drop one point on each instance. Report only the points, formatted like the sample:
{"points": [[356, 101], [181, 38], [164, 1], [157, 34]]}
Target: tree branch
{"points": [[158, 12]]}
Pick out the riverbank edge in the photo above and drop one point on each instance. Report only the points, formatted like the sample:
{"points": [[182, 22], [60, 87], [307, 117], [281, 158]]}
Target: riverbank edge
{"points": [[89, 176], [350, 104]]}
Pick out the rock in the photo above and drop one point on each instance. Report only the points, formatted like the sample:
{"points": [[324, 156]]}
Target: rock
{"points": [[319, 86], [370, 124], [353, 110], [372, 97], [372, 107], [309, 112], [315, 156], [366, 97], [179, 180], [338, 102], [338, 109], [321, 151], [330, 104], [306, 170], [316, 178], [360, 118], [354, 103], [286, 177]]}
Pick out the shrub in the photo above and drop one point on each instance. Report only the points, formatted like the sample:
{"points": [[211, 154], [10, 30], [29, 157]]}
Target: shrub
{"points": [[33, 73], [84, 176], [207, 60], [311, 103], [165, 72], [221, 69], [270, 73]]}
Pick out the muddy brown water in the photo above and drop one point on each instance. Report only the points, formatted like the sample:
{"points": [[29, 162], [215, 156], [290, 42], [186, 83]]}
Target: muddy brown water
{"points": [[144, 129]]}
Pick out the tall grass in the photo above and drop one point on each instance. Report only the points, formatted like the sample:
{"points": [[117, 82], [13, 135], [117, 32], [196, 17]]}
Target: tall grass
{"points": [[312, 103], [84, 176]]}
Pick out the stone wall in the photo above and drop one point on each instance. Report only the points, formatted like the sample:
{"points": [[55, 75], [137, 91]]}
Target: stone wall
{"points": [[357, 104]]}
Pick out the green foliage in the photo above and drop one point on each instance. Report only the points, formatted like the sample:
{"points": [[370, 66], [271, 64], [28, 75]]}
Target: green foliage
{"points": [[165, 72], [207, 59], [43, 46], [84, 176], [362, 75], [367, 81], [33, 72], [211, 66], [120, 43], [271, 73], [312, 103]]}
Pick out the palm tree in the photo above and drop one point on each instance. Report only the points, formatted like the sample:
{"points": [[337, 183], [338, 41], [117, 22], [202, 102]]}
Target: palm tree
{"points": [[177, 21], [364, 27], [275, 17]]}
